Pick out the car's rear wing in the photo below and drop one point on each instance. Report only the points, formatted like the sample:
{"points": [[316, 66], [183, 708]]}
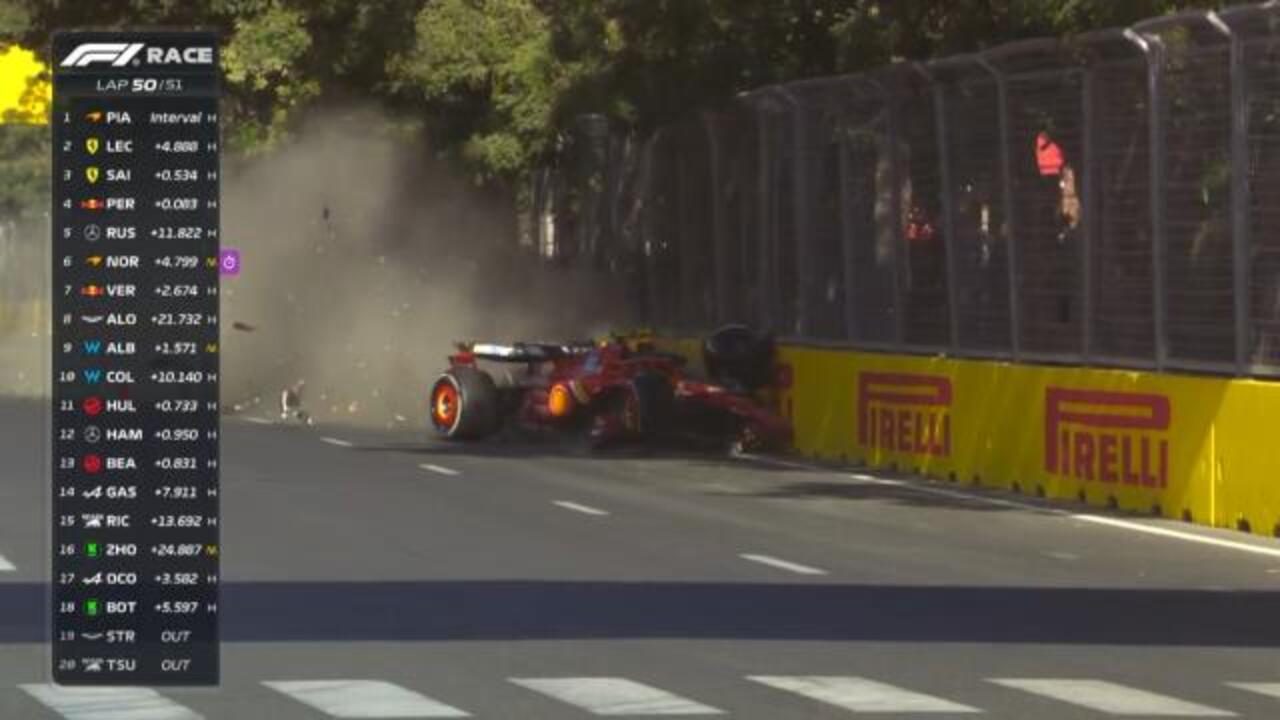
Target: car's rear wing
{"points": [[521, 352]]}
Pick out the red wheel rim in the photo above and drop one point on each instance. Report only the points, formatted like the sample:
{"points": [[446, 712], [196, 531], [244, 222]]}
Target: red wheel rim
{"points": [[444, 405]]}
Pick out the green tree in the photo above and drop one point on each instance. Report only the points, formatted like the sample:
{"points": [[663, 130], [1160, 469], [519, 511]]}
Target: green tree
{"points": [[486, 71], [278, 55], [497, 82], [24, 170]]}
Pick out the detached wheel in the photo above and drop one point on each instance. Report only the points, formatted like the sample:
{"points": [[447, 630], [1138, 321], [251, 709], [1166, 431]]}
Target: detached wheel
{"points": [[464, 404]]}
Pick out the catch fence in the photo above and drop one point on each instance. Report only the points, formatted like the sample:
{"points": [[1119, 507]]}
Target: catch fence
{"points": [[1111, 199]]}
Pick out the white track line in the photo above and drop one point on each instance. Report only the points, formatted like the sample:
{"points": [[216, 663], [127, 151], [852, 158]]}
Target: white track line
{"points": [[364, 699], [861, 695], [1176, 534], [1117, 523], [1270, 689], [259, 421], [615, 696], [1111, 698], [109, 703], [6, 566], [783, 564], [439, 469], [337, 441], [576, 507]]}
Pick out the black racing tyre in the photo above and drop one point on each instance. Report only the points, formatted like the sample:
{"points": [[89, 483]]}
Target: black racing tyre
{"points": [[654, 403], [464, 404], [640, 411], [738, 357]]}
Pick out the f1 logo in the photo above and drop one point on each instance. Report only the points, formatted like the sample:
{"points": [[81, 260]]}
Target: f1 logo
{"points": [[117, 54]]}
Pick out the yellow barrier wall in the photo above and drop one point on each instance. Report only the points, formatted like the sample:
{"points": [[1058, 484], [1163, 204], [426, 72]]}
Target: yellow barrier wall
{"points": [[1202, 448]]}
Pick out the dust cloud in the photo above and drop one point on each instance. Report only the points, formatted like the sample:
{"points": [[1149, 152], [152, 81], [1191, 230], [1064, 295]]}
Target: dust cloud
{"points": [[24, 308], [362, 262]]}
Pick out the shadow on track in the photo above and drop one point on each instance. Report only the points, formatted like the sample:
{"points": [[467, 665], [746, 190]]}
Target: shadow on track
{"points": [[791, 479], [908, 495], [557, 446]]}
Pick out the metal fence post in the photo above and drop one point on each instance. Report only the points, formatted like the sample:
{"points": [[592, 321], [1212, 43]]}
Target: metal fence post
{"points": [[802, 239], [900, 257], [849, 224], [764, 221], [1152, 48], [1088, 227], [685, 278], [1241, 196], [848, 240], [848, 237], [948, 211], [653, 226], [1006, 171], [719, 241]]}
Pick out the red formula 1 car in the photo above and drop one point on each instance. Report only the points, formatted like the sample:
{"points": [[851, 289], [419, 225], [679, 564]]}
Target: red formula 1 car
{"points": [[615, 391]]}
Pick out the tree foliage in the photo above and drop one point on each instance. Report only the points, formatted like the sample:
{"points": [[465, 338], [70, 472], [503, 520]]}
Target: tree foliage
{"points": [[496, 82], [24, 170], [487, 70]]}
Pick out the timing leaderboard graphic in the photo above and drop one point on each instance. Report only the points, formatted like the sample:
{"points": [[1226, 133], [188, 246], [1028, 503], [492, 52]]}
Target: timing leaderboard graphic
{"points": [[135, 359]]}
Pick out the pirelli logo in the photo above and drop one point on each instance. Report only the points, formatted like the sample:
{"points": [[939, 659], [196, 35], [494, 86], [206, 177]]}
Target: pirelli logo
{"points": [[905, 412], [1108, 437]]}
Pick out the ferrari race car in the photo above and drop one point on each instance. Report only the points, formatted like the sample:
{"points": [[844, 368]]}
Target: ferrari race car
{"points": [[614, 391]]}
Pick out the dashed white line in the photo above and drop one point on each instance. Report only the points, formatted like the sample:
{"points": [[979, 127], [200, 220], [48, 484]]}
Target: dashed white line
{"points": [[862, 695], [439, 469], [1111, 698], [783, 564], [259, 421], [337, 441], [1116, 523], [577, 507], [1062, 555], [6, 566], [615, 696], [109, 703], [364, 699]]}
